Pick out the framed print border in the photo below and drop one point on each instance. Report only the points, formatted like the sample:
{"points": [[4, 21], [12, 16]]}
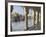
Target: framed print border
{"points": [[6, 18]]}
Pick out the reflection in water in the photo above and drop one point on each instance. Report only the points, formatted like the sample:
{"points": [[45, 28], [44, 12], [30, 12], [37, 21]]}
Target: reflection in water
{"points": [[20, 26]]}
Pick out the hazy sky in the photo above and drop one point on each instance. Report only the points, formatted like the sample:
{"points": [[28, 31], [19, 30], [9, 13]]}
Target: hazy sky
{"points": [[20, 9]]}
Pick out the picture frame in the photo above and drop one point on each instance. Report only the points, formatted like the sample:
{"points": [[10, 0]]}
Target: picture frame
{"points": [[35, 5]]}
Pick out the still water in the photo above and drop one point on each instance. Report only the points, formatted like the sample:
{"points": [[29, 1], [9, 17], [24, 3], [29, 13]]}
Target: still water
{"points": [[21, 25]]}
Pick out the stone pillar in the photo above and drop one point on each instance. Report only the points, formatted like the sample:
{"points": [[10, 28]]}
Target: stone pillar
{"points": [[39, 20], [36, 21], [33, 17], [26, 17], [36, 18]]}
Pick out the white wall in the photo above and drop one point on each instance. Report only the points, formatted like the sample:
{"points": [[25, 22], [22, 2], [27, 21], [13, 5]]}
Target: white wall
{"points": [[2, 17]]}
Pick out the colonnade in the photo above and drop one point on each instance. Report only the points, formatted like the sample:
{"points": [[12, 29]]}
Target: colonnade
{"points": [[35, 16]]}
